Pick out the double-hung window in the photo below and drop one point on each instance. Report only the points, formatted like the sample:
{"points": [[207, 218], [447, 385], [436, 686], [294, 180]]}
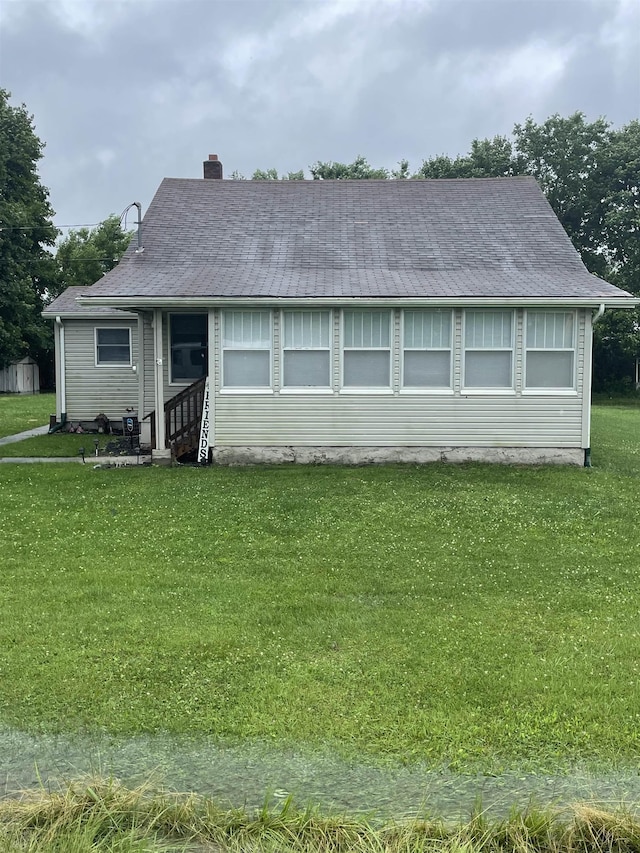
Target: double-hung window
{"points": [[550, 349], [113, 346], [366, 349], [427, 349], [246, 349], [488, 349], [306, 351]]}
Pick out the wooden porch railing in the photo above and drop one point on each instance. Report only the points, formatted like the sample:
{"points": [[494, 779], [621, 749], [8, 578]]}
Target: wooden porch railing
{"points": [[182, 418]]}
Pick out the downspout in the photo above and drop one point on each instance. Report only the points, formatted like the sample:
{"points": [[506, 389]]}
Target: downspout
{"points": [[62, 388], [595, 319]]}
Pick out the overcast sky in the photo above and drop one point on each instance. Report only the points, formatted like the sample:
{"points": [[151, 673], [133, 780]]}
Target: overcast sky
{"points": [[126, 92]]}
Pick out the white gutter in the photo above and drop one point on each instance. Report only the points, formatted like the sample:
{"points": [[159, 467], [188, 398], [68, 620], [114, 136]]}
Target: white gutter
{"points": [[149, 302], [587, 378], [63, 387]]}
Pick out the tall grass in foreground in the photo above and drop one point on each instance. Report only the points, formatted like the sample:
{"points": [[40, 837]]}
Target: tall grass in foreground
{"points": [[103, 815]]}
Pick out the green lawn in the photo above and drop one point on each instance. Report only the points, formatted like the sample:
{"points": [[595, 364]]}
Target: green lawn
{"points": [[19, 412], [479, 615], [58, 444]]}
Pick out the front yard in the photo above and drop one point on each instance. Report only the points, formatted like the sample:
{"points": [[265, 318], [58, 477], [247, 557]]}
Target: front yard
{"points": [[478, 616]]}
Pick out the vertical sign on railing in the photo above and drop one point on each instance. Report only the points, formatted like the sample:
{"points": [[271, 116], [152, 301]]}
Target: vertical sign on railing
{"points": [[203, 447]]}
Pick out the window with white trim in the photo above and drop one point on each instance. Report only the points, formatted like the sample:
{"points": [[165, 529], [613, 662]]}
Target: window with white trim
{"points": [[246, 349], [550, 349], [306, 350], [427, 349], [366, 349], [488, 349], [113, 346]]}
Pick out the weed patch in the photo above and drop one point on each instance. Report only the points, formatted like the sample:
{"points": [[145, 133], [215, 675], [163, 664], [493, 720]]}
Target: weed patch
{"points": [[105, 816]]}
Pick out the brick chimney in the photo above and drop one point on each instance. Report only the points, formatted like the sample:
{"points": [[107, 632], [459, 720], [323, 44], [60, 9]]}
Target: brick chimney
{"points": [[213, 168]]}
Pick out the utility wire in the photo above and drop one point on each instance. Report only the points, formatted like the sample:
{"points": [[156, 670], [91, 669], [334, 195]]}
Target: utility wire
{"points": [[51, 225]]}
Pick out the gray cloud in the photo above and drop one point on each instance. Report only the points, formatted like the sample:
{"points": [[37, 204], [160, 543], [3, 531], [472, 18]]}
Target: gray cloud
{"points": [[125, 93]]}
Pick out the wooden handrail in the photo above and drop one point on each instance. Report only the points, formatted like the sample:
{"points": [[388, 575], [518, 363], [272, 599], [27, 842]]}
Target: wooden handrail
{"points": [[182, 417]]}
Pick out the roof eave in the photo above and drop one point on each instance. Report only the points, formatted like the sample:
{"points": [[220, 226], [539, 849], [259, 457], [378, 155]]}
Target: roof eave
{"points": [[188, 302], [87, 314]]}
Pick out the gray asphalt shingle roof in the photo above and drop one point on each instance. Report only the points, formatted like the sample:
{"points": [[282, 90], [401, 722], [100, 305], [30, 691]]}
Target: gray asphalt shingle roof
{"points": [[67, 303], [286, 239]]}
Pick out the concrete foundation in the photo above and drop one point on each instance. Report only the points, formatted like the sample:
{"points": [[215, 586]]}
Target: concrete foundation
{"points": [[161, 457], [252, 455]]}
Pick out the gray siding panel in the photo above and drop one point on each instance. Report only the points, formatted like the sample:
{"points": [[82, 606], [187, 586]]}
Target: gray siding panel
{"points": [[90, 389], [409, 420], [479, 420]]}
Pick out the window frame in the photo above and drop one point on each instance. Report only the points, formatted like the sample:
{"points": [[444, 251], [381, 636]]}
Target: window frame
{"points": [[367, 389], [550, 389], [97, 345], [427, 389], [184, 383], [306, 389], [246, 389], [488, 389]]}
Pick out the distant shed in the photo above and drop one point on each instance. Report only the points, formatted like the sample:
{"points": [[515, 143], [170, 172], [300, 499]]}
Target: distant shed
{"points": [[21, 377]]}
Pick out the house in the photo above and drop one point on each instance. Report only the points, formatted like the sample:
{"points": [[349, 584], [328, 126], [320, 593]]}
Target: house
{"points": [[20, 377], [342, 321]]}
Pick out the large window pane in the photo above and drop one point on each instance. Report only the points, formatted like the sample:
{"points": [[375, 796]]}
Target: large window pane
{"points": [[550, 357], [367, 329], [427, 369], [488, 329], [246, 349], [306, 368], [307, 329], [368, 369], [550, 329], [118, 337], [306, 353], [488, 370], [549, 369], [427, 329], [247, 329], [246, 369]]}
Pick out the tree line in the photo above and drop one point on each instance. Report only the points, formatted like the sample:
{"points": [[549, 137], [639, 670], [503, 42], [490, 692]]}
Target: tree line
{"points": [[589, 172]]}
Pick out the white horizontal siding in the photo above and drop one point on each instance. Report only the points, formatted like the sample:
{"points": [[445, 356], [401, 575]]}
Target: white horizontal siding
{"points": [[90, 389], [482, 420], [367, 421]]}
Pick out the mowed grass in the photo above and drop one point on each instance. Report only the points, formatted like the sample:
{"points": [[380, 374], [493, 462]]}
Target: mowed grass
{"points": [[57, 444], [19, 412], [483, 616]]}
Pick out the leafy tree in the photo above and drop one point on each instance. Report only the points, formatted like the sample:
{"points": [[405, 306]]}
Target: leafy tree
{"points": [[85, 255], [562, 155], [272, 175], [359, 170], [617, 336], [402, 172], [488, 158], [27, 271]]}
